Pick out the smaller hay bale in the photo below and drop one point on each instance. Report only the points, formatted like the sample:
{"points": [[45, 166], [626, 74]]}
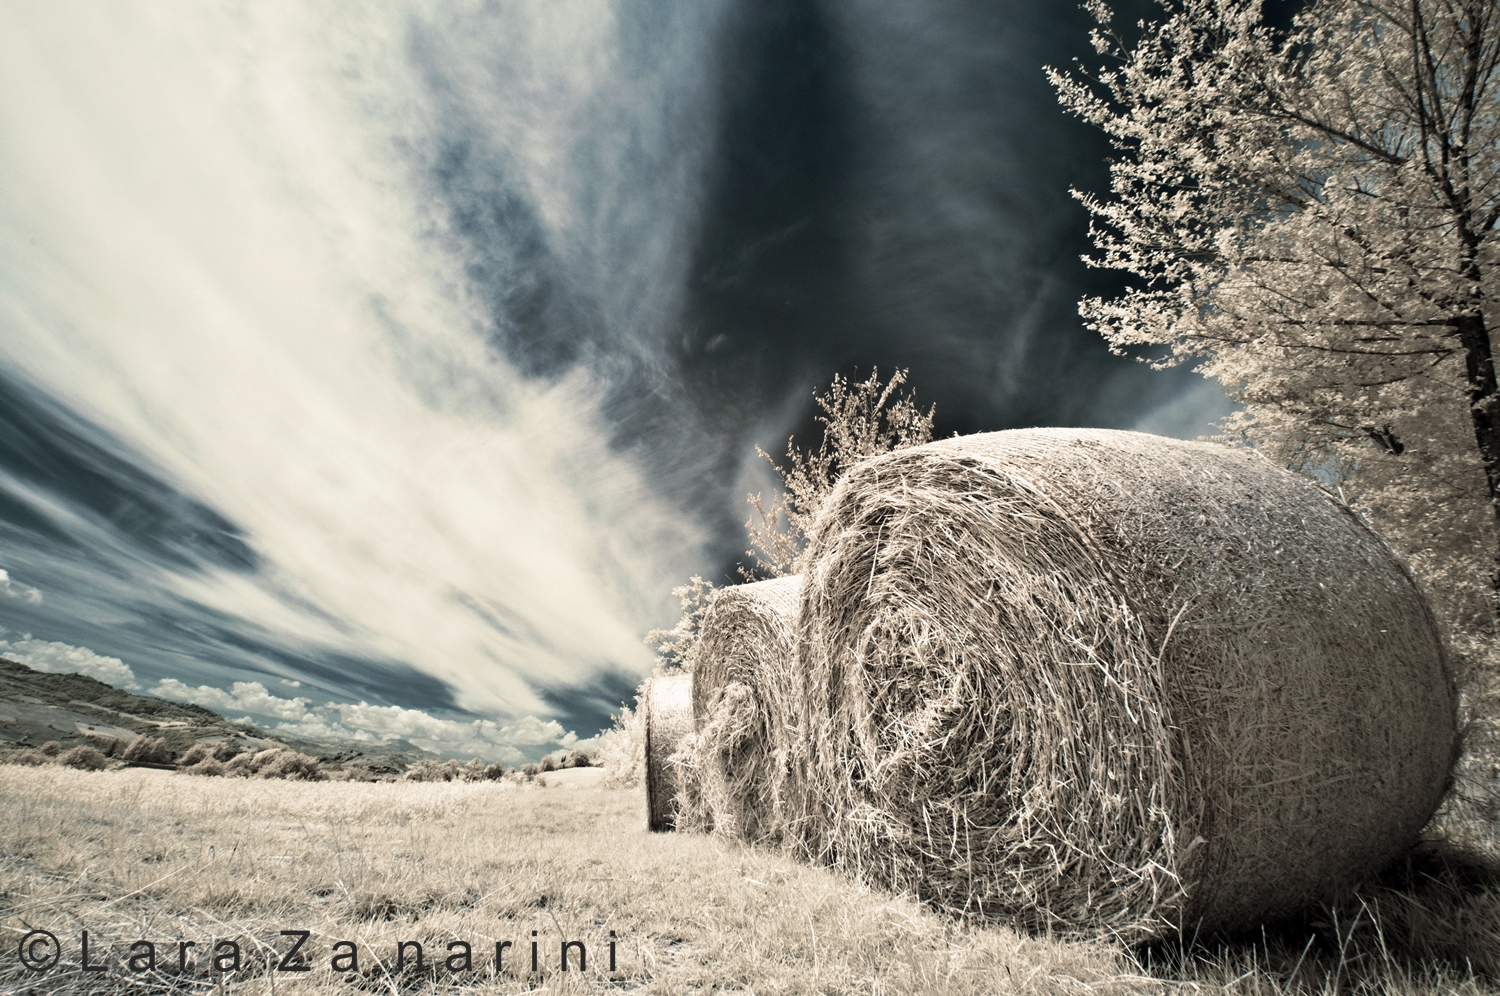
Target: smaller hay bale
{"points": [[669, 720], [742, 707]]}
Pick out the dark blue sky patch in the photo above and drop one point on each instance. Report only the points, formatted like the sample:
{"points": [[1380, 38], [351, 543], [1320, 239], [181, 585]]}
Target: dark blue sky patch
{"points": [[590, 708], [53, 450], [20, 523]]}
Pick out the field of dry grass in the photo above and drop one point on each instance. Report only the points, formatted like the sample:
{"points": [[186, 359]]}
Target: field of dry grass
{"points": [[140, 854]]}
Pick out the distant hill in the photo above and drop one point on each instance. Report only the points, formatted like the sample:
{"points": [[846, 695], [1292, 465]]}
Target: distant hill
{"points": [[73, 709]]}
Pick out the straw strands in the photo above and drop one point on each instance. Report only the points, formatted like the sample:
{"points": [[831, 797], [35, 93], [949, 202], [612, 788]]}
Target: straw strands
{"points": [[669, 720], [742, 707], [1105, 682]]}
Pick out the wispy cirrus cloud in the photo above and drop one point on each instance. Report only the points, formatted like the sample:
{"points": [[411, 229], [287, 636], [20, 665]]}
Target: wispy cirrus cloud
{"points": [[218, 247]]}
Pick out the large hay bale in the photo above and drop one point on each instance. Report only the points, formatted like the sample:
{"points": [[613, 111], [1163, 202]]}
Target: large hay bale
{"points": [[669, 719], [1106, 682], [742, 707]]}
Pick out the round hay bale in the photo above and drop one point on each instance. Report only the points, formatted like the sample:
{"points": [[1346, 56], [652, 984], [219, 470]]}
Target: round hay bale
{"points": [[669, 719], [1110, 683], [742, 706]]}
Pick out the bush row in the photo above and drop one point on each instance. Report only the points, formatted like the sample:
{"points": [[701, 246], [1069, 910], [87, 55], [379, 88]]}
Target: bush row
{"points": [[576, 759], [84, 758], [228, 760], [452, 771]]}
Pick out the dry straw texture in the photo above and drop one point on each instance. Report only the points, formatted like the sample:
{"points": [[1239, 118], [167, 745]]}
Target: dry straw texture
{"points": [[147, 854], [1106, 682], [668, 706], [742, 707]]}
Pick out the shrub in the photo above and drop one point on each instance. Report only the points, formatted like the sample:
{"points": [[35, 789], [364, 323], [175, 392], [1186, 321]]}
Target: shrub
{"points": [[494, 772], [30, 758], [51, 748], [196, 753], [274, 762], [579, 759], [242, 765], [147, 750], [622, 751], [84, 759], [227, 751], [531, 771], [108, 746], [206, 765], [293, 766], [432, 771], [473, 771], [549, 763]]}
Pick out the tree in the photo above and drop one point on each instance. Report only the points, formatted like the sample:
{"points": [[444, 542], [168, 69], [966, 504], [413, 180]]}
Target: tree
{"points": [[674, 647], [859, 420], [1310, 217]]}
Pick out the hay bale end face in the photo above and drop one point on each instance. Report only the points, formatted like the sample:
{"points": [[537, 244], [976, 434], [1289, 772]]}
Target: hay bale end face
{"points": [[743, 708], [669, 719], [1110, 683]]}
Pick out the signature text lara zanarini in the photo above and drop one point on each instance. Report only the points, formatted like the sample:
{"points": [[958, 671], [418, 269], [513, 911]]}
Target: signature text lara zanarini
{"points": [[41, 951]]}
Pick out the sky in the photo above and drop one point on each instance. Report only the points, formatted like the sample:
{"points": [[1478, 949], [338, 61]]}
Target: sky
{"points": [[379, 371]]}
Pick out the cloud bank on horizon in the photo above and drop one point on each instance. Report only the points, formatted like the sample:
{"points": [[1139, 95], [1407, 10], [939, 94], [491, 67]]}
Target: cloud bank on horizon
{"points": [[60, 658], [252, 702], [412, 354]]}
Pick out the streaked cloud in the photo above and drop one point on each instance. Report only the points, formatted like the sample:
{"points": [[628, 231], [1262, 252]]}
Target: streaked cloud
{"points": [[214, 257]]}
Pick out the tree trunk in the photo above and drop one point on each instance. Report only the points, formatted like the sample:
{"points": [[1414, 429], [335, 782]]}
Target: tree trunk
{"points": [[1484, 406]]}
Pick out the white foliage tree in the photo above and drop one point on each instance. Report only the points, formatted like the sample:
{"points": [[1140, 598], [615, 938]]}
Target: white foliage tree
{"points": [[1311, 218], [860, 419]]}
